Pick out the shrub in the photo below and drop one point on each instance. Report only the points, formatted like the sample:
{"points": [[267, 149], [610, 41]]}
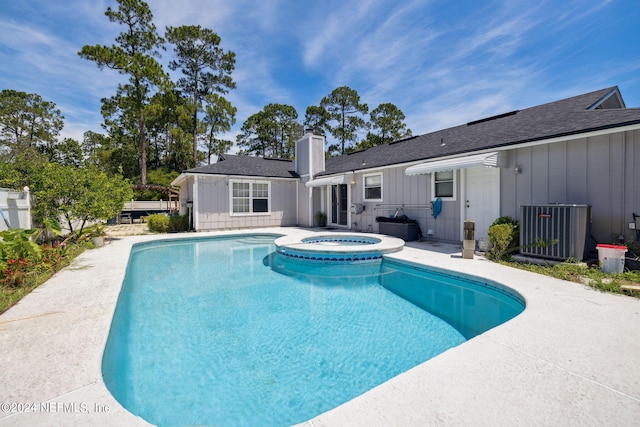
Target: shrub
{"points": [[506, 238], [501, 238], [158, 223], [321, 219], [52, 257], [516, 227], [17, 243], [178, 223], [15, 272], [19, 276]]}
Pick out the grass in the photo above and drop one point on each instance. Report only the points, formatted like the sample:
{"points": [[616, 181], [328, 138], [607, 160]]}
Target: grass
{"points": [[581, 273], [11, 295]]}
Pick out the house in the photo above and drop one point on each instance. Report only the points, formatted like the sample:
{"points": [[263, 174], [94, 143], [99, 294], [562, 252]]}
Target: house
{"points": [[240, 192], [580, 150]]}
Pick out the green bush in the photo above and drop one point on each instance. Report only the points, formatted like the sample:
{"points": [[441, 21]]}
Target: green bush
{"points": [[19, 276], [516, 228], [158, 223], [16, 243], [506, 244], [501, 238], [178, 223]]}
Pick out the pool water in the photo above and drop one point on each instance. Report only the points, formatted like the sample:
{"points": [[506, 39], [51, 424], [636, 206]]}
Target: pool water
{"points": [[341, 240], [224, 331]]}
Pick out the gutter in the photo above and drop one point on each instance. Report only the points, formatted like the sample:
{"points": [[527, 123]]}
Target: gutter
{"points": [[568, 136]]}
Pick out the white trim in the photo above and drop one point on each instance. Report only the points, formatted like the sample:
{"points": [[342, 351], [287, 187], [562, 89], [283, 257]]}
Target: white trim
{"points": [[364, 187], [492, 159], [178, 179], [464, 199], [455, 187], [311, 213], [195, 200], [330, 180], [310, 157], [609, 94], [250, 182], [328, 194], [184, 175], [463, 204], [311, 174]]}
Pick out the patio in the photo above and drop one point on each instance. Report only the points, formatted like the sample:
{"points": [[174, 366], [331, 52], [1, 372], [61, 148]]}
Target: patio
{"points": [[571, 358]]}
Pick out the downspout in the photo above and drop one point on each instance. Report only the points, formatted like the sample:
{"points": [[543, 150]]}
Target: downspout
{"points": [[462, 182], [195, 203], [624, 185], [311, 176], [295, 168]]}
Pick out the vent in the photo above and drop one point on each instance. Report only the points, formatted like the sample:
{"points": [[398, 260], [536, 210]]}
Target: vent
{"points": [[488, 119], [569, 225], [407, 138], [278, 159]]}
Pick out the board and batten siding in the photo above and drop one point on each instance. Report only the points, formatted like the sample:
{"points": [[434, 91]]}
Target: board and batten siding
{"points": [[412, 191], [305, 216], [302, 159], [602, 171], [214, 204]]}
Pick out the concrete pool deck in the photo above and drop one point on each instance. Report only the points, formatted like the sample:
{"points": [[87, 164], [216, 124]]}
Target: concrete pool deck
{"points": [[571, 358]]}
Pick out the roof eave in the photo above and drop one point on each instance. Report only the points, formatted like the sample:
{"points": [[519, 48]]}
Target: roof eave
{"points": [[549, 139], [184, 175]]}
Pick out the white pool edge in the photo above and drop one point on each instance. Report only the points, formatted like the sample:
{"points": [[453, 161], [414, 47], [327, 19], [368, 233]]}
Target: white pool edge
{"points": [[569, 358]]}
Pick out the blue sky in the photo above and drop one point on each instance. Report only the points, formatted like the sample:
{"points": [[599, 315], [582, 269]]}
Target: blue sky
{"points": [[443, 63]]}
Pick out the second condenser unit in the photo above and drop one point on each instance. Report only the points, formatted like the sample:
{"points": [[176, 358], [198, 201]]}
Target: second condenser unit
{"points": [[556, 231]]}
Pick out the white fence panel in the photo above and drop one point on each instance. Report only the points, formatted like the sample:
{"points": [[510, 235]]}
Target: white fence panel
{"points": [[16, 208], [151, 205]]}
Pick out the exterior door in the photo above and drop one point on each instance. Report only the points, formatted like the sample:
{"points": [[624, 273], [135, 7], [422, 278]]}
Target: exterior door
{"points": [[482, 198], [339, 204]]}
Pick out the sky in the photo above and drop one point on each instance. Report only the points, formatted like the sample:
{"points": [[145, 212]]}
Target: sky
{"points": [[442, 62]]}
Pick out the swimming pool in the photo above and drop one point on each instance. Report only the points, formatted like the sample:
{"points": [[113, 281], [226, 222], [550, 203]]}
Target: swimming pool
{"points": [[224, 331]]}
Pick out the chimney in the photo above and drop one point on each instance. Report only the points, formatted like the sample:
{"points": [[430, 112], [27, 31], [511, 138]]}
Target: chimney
{"points": [[309, 154]]}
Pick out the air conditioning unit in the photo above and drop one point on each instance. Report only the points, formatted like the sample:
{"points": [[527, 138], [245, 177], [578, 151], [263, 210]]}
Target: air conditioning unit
{"points": [[567, 225]]}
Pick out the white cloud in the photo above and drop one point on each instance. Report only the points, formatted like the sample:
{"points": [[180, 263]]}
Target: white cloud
{"points": [[442, 64]]}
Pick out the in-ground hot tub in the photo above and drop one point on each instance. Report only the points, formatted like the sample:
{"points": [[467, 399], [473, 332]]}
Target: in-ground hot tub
{"points": [[337, 247]]}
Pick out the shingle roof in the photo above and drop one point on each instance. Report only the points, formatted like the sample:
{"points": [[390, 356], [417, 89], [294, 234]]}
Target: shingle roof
{"points": [[235, 165], [566, 117], [561, 118]]}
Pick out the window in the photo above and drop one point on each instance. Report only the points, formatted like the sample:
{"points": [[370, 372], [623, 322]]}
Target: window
{"points": [[443, 185], [240, 197], [249, 197], [260, 197], [373, 187]]}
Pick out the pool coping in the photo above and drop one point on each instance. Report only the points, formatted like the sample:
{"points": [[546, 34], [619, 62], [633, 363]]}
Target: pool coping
{"points": [[570, 358], [296, 246]]}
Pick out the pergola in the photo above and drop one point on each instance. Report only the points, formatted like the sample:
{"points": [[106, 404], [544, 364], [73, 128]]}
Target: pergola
{"points": [[169, 192]]}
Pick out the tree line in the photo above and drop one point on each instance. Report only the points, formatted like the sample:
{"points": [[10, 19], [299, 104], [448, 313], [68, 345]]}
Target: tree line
{"points": [[273, 131], [155, 127]]}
